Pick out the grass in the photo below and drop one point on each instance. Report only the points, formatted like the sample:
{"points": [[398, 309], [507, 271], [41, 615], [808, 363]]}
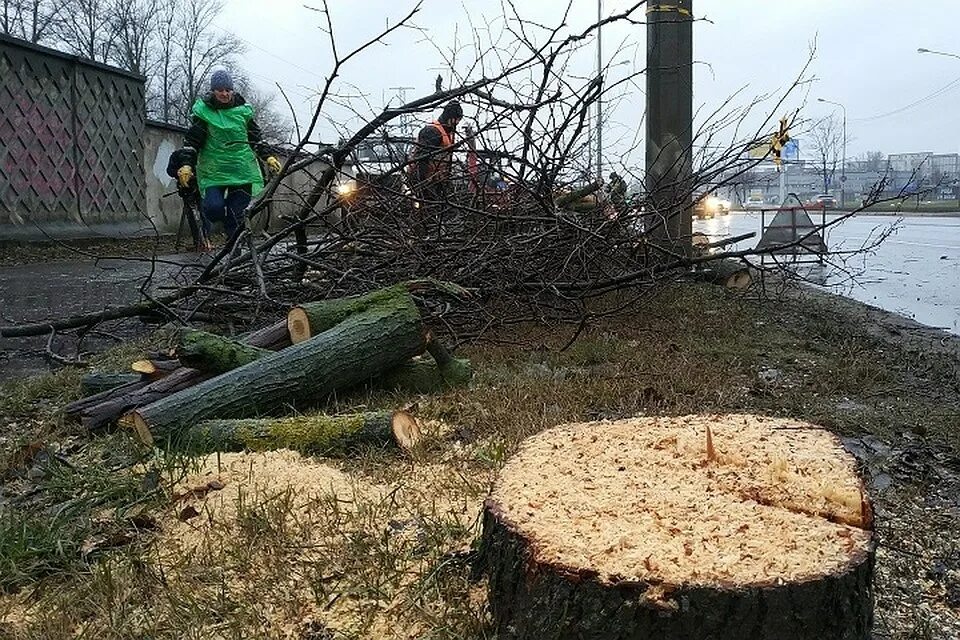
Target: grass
{"points": [[391, 555]]}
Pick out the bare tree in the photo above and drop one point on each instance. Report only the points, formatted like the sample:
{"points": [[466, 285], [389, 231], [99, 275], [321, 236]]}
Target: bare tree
{"points": [[86, 29], [826, 142], [162, 86], [874, 161], [135, 23], [31, 20], [274, 124], [200, 49]]}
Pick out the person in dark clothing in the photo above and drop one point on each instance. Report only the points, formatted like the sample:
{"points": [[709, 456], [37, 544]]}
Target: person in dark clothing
{"points": [[224, 135], [432, 158], [617, 190]]}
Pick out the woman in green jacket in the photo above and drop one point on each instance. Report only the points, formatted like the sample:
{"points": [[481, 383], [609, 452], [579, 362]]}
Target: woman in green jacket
{"points": [[224, 135]]}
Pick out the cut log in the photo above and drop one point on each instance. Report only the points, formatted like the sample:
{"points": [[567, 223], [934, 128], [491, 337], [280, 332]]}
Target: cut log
{"points": [[108, 411], [96, 382], [211, 353], [361, 347], [629, 530], [273, 337], [729, 273], [104, 409], [313, 434], [154, 369], [308, 320]]}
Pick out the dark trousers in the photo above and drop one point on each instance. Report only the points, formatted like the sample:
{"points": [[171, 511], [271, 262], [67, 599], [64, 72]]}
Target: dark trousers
{"points": [[227, 205]]}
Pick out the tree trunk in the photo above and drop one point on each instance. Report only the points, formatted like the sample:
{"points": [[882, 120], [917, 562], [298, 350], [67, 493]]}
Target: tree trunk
{"points": [[361, 347], [109, 411], [422, 375], [308, 320], [635, 530], [97, 382], [729, 273], [311, 434], [215, 354]]}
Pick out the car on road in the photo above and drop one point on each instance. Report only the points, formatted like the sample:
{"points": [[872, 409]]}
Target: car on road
{"points": [[711, 206], [824, 201]]}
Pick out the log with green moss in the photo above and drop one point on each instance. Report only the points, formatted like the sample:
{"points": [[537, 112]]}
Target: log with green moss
{"points": [[215, 354], [310, 319], [313, 434], [359, 348]]}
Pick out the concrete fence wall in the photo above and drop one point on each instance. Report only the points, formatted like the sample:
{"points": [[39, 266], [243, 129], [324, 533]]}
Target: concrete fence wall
{"points": [[79, 159]]}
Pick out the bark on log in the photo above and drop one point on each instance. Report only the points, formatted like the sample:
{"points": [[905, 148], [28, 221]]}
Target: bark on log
{"points": [[633, 530], [273, 337], [108, 411], [104, 409], [361, 347], [312, 434], [313, 318], [96, 382], [729, 273], [215, 354], [422, 375]]}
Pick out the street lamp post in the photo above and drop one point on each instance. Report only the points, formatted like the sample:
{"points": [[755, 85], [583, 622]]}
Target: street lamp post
{"points": [[938, 53], [843, 161], [600, 95]]}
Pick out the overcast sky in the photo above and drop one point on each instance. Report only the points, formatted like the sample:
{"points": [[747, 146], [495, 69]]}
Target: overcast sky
{"points": [[866, 57]]}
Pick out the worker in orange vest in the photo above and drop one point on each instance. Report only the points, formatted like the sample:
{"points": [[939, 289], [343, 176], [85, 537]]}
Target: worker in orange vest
{"points": [[433, 157]]}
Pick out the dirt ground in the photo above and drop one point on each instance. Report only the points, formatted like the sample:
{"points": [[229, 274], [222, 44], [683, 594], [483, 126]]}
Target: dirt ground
{"points": [[100, 538]]}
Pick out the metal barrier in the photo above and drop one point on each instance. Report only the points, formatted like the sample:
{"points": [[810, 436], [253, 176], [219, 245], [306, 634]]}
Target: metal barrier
{"points": [[794, 234]]}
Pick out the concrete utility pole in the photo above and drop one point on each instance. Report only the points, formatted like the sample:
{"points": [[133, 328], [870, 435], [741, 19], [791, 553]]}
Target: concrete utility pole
{"points": [[670, 118]]}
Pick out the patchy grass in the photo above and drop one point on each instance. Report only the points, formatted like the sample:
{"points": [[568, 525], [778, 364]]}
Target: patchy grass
{"points": [[385, 552]]}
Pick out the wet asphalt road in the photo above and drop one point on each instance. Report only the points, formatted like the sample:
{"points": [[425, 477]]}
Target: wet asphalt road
{"points": [[37, 292], [915, 271]]}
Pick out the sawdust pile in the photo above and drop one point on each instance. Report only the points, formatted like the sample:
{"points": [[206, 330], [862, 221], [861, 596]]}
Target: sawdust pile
{"points": [[302, 542]]}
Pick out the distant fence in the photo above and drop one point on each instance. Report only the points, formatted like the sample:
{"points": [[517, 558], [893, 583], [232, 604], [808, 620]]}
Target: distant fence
{"points": [[71, 143]]}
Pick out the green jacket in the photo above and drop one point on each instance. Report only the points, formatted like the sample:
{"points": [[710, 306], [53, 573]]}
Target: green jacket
{"points": [[226, 159]]}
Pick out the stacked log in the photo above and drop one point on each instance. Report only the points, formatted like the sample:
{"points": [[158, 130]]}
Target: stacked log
{"points": [[359, 348], [720, 527], [375, 339], [105, 409]]}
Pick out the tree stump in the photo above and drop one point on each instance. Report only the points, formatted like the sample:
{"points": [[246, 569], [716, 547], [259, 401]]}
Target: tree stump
{"points": [[700, 527]]}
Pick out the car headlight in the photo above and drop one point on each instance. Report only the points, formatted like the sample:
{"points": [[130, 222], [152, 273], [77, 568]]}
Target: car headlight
{"points": [[347, 188]]}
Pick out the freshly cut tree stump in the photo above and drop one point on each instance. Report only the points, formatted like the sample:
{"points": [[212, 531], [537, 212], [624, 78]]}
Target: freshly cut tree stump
{"points": [[360, 348], [731, 527], [212, 353], [314, 434], [308, 320]]}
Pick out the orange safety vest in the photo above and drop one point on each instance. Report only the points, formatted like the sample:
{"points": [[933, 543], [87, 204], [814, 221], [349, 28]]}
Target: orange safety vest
{"points": [[440, 165], [445, 139]]}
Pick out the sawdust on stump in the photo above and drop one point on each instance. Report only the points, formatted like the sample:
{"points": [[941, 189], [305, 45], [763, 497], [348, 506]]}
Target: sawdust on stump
{"points": [[681, 527]]}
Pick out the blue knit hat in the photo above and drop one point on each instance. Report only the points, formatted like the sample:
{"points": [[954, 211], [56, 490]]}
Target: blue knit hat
{"points": [[221, 80]]}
